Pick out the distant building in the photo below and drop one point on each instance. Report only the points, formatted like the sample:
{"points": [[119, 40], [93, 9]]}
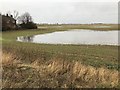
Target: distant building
{"points": [[8, 23]]}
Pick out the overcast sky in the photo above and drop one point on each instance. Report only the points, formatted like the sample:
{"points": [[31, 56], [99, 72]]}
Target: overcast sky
{"points": [[64, 11]]}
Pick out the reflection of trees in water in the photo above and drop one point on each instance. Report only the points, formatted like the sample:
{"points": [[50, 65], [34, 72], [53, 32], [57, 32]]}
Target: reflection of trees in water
{"points": [[26, 39]]}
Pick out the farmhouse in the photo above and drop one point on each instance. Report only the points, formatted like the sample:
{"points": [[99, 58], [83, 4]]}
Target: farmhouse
{"points": [[8, 23]]}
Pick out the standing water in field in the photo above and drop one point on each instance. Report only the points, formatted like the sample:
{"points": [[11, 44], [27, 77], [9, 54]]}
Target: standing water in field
{"points": [[89, 37]]}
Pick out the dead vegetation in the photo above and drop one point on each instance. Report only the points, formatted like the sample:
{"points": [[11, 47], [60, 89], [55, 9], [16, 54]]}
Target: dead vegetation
{"points": [[55, 73]]}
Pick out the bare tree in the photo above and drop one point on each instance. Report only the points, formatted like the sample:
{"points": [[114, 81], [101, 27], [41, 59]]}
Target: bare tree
{"points": [[25, 21], [25, 18], [15, 14]]}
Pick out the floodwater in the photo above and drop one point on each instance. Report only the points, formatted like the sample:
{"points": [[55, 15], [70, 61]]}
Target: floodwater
{"points": [[77, 36]]}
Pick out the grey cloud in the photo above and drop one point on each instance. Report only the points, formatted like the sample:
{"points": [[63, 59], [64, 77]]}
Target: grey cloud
{"points": [[66, 12]]}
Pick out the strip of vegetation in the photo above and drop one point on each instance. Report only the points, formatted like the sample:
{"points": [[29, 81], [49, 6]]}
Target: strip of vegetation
{"points": [[55, 73], [81, 26]]}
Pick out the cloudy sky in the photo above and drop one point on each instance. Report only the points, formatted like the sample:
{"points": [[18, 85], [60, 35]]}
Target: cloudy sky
{"points": [[64, 11]]}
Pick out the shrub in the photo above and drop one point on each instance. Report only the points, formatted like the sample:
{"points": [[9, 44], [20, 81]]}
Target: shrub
{"points": [[29, 25]]}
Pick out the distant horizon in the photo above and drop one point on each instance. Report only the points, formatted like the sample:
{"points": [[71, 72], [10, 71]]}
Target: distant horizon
{"points": [[69, 23], [77, 23], [64, 12]]}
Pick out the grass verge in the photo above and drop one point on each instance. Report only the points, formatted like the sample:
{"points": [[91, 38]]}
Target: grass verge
{"points": [[55, 73], [57, 65]]}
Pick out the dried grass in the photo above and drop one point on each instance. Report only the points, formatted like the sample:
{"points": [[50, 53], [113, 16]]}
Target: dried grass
{"points": [[60, 73]]}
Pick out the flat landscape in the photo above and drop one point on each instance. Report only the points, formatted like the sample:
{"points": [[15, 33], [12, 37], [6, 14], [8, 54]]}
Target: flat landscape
{"points": [[32, 65]]}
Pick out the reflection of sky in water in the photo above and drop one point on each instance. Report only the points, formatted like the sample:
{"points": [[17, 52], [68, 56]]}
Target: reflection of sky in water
{"points": [[25, 39], [77, 37]]}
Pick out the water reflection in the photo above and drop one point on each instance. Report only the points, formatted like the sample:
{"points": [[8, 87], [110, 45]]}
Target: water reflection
{"points": [[25, 38], [89, 37]]}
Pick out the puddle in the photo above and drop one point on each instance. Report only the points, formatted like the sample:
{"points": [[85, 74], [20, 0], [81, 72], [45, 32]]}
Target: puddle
{"points": [[79, 36]]}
